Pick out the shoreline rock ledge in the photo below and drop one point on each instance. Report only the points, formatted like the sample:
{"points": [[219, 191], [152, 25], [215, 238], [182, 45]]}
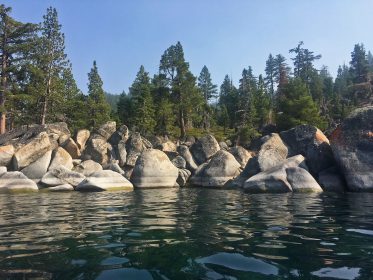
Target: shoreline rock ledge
{"points": [[301, 159]]}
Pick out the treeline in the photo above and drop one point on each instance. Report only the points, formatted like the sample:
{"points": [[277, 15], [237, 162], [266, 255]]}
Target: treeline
{"points": [[284, 97], [37, 85]]}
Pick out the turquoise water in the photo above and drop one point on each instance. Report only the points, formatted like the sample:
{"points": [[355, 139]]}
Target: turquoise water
{"points": [[186, 234]]}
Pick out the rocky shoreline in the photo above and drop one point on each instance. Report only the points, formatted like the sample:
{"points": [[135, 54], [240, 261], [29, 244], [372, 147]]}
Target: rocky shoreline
{"points": [[301, 159]]}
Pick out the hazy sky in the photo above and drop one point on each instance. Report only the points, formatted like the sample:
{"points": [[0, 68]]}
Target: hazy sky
{"points": [[225, 35]]}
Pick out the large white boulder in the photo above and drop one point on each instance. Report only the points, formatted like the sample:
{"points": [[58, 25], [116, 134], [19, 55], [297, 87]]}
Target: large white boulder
{"points": [[16, 182], [154, 169]]}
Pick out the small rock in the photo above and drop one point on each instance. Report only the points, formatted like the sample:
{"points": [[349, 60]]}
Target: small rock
{"points": [[301, 181], [179, 162], [241, 155], [60, 176], [114, 166], [6, 154], [88, 167], [183, 177], [107, 130], [185, 153]]}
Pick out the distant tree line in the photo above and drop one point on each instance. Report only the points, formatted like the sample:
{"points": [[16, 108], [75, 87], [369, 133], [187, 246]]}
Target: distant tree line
{"points": [[37, 86]]}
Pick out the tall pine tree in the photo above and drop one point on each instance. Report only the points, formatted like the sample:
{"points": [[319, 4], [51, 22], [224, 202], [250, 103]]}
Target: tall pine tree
{"points": [[98, 108]]}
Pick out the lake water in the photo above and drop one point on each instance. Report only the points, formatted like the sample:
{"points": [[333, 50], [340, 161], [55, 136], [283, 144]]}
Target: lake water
{"points": [[186, 234]]}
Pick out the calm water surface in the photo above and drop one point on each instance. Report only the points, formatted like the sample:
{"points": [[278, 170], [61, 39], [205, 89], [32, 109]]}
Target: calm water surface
{"points": [[186, 234]]}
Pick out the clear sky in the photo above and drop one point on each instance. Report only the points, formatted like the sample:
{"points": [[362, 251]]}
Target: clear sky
{"points": [[224, 35]]}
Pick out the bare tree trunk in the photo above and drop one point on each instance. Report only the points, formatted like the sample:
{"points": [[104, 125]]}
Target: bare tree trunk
{"points": [[3, 86], [182, 123], [45, 103]]}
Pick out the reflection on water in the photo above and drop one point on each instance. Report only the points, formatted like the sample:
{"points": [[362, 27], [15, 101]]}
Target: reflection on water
{"points": [[186, 234]]}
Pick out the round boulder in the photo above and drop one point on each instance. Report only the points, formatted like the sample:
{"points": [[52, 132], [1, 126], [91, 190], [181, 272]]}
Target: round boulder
{"points": [[154, 169]]}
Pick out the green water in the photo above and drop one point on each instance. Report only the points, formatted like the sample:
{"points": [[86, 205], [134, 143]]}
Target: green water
{"points": [[186, 234]]}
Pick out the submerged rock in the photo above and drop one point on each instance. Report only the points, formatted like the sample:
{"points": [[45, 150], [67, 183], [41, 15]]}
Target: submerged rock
{"points": [[352, 144], [154, 169], [61, 188], [218, 171], [105, 180]]}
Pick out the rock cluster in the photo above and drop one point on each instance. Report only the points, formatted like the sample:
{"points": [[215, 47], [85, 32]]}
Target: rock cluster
{"points": [[301, 159]]}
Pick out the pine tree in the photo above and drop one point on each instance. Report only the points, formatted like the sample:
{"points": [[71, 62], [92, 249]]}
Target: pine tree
{"points": [[182, 83], [359, 64], [209, 91], [262, 103], [16, 41], [51, 60], [303, 62], [270, 75], [98, 107], [142, 102], [229, 99], [164, 115], [297, 107]]}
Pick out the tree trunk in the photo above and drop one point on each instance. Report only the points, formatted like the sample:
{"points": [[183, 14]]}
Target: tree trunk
{"points": [[182, 124], [45, 103], [3, 85]]}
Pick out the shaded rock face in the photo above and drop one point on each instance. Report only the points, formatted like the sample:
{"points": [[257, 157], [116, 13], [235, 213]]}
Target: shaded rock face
{"points": [[31, 151], [331, 180], [183, 177], [6, 154], [312, 144], [218, 171], [122, 153], [114, 166], [135, 145], [38, 168], [204, 148], [186, 154], [271, 152], [16, 182], [154, 169], [352, 144], [179, 162], [121, 134], [105, 180], [97, 149], [289, 176]]}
